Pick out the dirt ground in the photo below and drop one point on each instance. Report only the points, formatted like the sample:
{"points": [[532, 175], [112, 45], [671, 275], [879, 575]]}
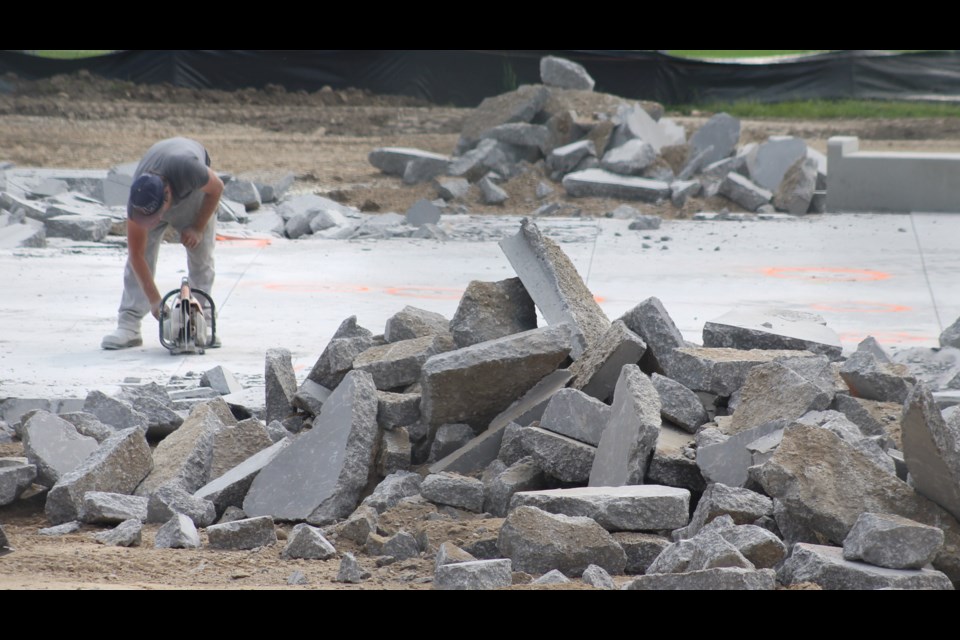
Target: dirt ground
{"points": [[323, 138]]}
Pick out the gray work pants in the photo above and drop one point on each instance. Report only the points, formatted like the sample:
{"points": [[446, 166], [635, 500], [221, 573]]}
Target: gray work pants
{"points": [[200, 269]]}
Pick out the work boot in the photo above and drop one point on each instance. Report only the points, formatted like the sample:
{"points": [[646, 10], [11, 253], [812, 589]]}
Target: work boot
{"points": [[121, 339]]}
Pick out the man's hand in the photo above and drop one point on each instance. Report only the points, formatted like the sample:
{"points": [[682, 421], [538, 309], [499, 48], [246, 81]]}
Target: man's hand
{"points": [[155, 308], [190, 238]]}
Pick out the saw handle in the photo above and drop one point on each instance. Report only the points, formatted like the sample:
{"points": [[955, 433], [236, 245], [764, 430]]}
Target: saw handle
{"points": [[191, 295]]}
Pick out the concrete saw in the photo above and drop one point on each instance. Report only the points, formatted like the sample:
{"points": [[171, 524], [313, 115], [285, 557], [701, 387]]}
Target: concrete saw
{"points": [[184, 327]]}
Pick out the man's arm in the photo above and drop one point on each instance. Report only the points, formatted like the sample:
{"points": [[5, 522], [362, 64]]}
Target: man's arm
{"points": [[191, 236], [136, 254]]}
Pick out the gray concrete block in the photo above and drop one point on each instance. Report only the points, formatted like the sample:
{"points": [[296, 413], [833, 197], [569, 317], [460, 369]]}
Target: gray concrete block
{"points": [[294, 487], [244, 192], [87, 424], [178, 533], [554, 576], [521, 134], [185, 456], [54, 446], [358, 527], [490, 310], [597, 369], [28, 233], [537, 542], [412, 322], [297, 226], [725, 579], [599, 183], [773, 392], [554, 284], [678, 404], [467, 385], [478, 575], [242, 534], [674, 461], [473, 164], [16, 476], [60, 529], [712, 551], [827, 567], [641, 549], [645, 223], [126, 534], [453, 490], [338, 356], [114, 413], [743, 506], [772, 329], [846, 484], [744, 192], [393, 489], [683, 190], [423, 212], [449, 553], [401, 546], [872, 379], [271, 185], [100, 507], [453, 188], [727, 462], [310, 397], [350, 570], [564, 74], [399, 364], [490, 193], [520, 105], [768, 162], [722, 132], [395, 451], [230, 488], [511, 445], [117, 466], [161, 419], [89, 228], [563, 458], [171, 499], [720, 371], [235, 443], [576, 415], [598, 577], [653, 324], [758, 545], [307, 543], [891, 541], [449, 438], [523, 475], [797, 189], [394, 160], [267, 222], [630, 158], [568, 157], [931, 449], [631, 508], [425, 168], [631, 433], [397, 409], [475, 454], [280, 382], [634, 122]]}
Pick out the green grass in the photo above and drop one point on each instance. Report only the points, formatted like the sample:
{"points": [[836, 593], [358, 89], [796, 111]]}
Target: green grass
{"points": [[824, 109], [736, 53], [70, 54]]}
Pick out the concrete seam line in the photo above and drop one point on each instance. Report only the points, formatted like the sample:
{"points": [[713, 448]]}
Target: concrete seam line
{"points": [[926, 276], [593, 251], [237, 281]]}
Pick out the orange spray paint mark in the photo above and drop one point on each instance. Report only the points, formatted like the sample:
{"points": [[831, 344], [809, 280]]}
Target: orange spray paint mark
{"points": [[250, 242], [599, 299], [826, 274], [315, 287], [863, 307], [887, 337], [427, 293]]}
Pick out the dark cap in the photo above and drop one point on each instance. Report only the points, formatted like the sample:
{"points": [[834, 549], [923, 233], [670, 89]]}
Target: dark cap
{"points": [[146, 198]]}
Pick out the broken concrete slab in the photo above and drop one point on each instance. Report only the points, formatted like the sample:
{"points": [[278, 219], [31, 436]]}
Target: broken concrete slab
{"points": [[267, 222], [796, 191], [719, 371], [478, 575], [674, 461], [491, 310], [476, 454], [114, 413], [890, 541], [520, 105], [54, 446], [453, 188], [653, 324], [523, 475], [645, 223], [294, 487], [235, 443], [449, 438], [395, 451], [250, 533], [597, 369], [722, 132], [743, 506], [683, 190], [401, 546], [412, 322], [563, 458], [768, 162], [758, 545], [399, 364], [467, 385], [640, 548], [393, 489], [394, 160], [61, 529], [635, 122], [337, 358], [423, 212], [631, 434], [553, 577], [161, 419], [774, 392], [847, 484], [678, 404], [872, 379], [126, 534], [575, 414], [449, 553], [598, 578], [931, 449], [307, 543], [310, 397], [600, 183], [16, 476], [522, 134], [827, 567], [772, 329], [568, 157], [350, 570], [725, 579], [537, 542], [630, 158], [178, 533], [281, 384], [171, 499], [87, 424], [632, 508], [118, 466], [423, 169], [564, 74], [490, 193], [744, 192], [81, 228], [554, 285], [727, 462], [397, 409], [244, 192], [454, 490], [100, 507], [28, 233], [712, 551]]}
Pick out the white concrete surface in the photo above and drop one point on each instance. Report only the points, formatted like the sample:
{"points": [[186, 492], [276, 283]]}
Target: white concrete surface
{"points": [[891, 276]]}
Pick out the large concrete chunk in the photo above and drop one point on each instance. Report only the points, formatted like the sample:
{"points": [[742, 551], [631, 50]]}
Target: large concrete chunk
{"points": [[54, 446], [100, 507], [411, 322], [126, 534], [566, 158], [230, 488], [118, 466], [220, 380], [827, 567], [233, 444], [768, 162], [798, 187], [772, 329], [674, 461], [178, 533], [596, 371], [523, 475], [28, 233], [576, 415], [743, 506], [16, 476], [280, 383], [397, 409], [636, 508], [599, 183], [774, 392], [679, 405], [250, 533], [744, 192], [653, 324], [758, 545], [295, 486], [307, 543], [393, 489], [112, 412], [161, 419], [931, 449], [631, 434], [171, 499], [722, 579], [471, 385], [185, 456], [476, 454], [398, 364], [722, 132], [337, 359], [564, 458], [893, 542], [727, 462], [478, 575], [872, 379], [641, 549], [719, 371], [846, 484], [873, 417], [454, 490], [449, 438], [564, 74], [79, 227], [491, 310], [630, 158], [521, 105], [554, 285], [394, 160], [537, 542]]}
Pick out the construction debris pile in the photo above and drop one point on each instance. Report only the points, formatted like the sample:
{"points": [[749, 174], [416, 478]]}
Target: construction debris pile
{"points": [[614, 453], [632, 153]]}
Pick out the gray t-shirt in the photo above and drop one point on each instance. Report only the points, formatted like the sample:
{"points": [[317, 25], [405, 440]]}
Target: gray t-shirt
{"points": [[182, 161]]}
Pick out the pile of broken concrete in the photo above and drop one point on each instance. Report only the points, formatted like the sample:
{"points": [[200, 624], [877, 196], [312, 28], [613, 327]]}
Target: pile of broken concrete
{"points": [[631, 153], [611, 452]]}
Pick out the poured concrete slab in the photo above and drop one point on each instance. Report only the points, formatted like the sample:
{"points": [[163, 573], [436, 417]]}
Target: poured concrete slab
{"points": [[599, 183], [772, 329]]}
